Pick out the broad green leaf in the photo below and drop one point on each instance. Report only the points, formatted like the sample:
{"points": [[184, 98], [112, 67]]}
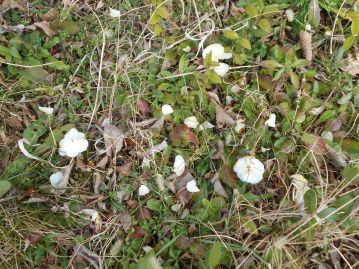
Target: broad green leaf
{"points": [[149, 261], [4, 187], [329, 214], [345, 203], [345, 99], [15, 53], [327, 115], [249, 225], [157, 30], [245, 43], [355, 24], [230, 34], [183, 63], [350, 225], [56, 64], [252, 10], [4, 51], [154, 19], [35, 74], [265, 25], [310, 200], [154, 204], [350, 174], [300, 63], [214, 77], [351, 146], [314, 13], [52, 42], [348, 43], [270, 64], [162, 12], [214, 255]]}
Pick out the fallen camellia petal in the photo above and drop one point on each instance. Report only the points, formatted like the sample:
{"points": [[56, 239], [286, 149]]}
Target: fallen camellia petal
{"points": [[55, 178], [217, 52], [221, 69], [143, 190], [114, 13], [47, 110], [179, 165], [271, 121], [191, 186], [73, 143], [249, 169], [167, 110], [191, 122], [206, 125]]}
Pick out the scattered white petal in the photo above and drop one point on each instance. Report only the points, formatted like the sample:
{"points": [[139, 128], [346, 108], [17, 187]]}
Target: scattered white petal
{"points": [[167, 110], [187, 49], [114, 13], [217, 52], [308, 27], [271, 121], [249, 169], [206, 125], [143, 190], [146, 163], [56, 178], [234, 88], [179, 165], [93, 214], [73, 143], [191, 122], [221, 69], [47, 110], [289, 14], [191, 186], [240, 125], [229, 100], [327, 135], [147, 249]]}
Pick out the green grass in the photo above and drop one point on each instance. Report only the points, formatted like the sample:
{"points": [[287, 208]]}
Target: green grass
{"points": [[97, 67]]}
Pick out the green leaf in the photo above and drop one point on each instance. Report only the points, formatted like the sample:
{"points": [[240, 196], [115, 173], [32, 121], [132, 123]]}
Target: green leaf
{"points": [[355, 24], [149, 261], [35, 74], [327, 115], [4, 51], [203, 166], [157, 30], [251, 10], [52, 42], [265, 25], [230, 34], [245, 43], [351, 146], [214, 255], [56, 64], [249, 225], [214, 77], [154, 19], [310, 200], [345, 99], [348, 43], [300, 63], [162, 12], [270, 64], [314, 13], [345, 203], [328, 214], [15, 53], [70, 26], [4, 187], [183, 63], [350, 175], [154, 204]]}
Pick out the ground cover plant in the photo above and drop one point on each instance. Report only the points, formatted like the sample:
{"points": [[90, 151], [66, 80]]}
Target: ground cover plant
{"points": [[179, 134]]}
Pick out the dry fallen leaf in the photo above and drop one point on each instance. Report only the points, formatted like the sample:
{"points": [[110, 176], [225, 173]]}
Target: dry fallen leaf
{"points": [[124, 169], [143, 106], [351, 65], [125, 220], [50, 15], [219, 153], [45, 26], [306, 44], [223, 117], [90, 256], [113, 137]]}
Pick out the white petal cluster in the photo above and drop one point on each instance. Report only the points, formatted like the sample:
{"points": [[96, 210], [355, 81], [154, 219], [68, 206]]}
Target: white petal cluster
{"points": [[56, 178], [114, 13], [249, 169], [217, 52], [167, 110], [143, 190], [191, 122], [47, 110], [191, 186], [179, 165], [271, 121], [73, 143]]}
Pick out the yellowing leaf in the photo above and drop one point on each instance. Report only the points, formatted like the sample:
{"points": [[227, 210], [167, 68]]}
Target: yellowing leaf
{"points": [[265, 25], [245, 43], [162, 12], [230, 34], [251, 10]]}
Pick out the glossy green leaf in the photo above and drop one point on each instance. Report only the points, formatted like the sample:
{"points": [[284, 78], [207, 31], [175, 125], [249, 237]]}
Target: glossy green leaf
{"points": [[215, 254], [310, 200], [230, 34]]}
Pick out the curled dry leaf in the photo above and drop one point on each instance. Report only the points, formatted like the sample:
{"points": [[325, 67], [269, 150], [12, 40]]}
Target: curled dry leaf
{"points": [[50, 15], [144, 107], [219, 189], [351, 65], [219, 153], [113, 137], [103, 162], [183, 135], [90, 256], [124, 169], [223, 117], [45, 26], [158, 124], [61, 184], [306, 44]]}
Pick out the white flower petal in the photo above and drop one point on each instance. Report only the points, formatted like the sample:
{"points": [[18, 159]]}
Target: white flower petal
{"points": [[167, 110], [217, 52], [114, 13], [221, 69], [271, 121], [240, 125], [249, 169], [179, 165], [47, 110], [55, 178], [191, 186], [73, 143], [143, 190], [191, 122], [234, 88], [93, 214], [206, 125]]}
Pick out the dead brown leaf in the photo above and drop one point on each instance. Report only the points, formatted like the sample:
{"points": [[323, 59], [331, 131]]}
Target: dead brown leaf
{"points": [[90, 256], [219, 153], [138, 232], [124, 169], [182, 134], [351, 65], [125, 220], [306, 44], [144, 107], [113, 137], [45, 26], [50, 15], [143, 213]]}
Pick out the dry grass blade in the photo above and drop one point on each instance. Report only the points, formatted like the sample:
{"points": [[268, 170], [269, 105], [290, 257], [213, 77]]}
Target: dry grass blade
{"points": [[306, 44]]}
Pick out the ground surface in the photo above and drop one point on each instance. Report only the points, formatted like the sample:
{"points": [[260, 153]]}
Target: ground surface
{"points": [[109, 77]]}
